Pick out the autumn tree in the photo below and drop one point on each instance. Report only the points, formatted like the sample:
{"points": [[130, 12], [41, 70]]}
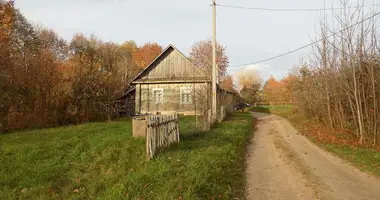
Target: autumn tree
{"points": [[272, 91], [146, 54], [128, 65], [249, 85], [7, 22], [248, 78], [32, 72], [46, 81], [227, 83], [201, 55], [113, 75], [280, 92], [288, 85], [52, 42], [251, 94], [100, 73], [87, 85], [338, 86], [7, 19]]}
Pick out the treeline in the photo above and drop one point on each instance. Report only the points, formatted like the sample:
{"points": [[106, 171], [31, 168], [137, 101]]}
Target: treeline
{"points": [[46, 81], [273, 92], [279, 92], [340, 85]]}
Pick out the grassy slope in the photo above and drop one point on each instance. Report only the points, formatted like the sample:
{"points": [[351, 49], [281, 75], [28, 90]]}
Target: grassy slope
{"points": [[367, 159], [102, 160]]}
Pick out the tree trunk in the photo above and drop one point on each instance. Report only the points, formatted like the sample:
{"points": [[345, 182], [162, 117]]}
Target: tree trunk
{"points": [[374, 109], [358, 104]]}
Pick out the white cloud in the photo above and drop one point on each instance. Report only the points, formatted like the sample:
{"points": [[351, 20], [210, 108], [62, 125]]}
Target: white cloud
{"points": [[257, 67], [261, 70], [264, 72]]}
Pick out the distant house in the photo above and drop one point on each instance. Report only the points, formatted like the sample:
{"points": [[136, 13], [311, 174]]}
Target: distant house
{"points": [[171, 83]]}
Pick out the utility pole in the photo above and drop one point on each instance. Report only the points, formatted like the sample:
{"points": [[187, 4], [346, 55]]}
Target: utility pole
{"points": [[214, 70]]}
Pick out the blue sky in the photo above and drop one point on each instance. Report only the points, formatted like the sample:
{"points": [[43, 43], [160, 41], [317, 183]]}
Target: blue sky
{"points": [[249, 35]]}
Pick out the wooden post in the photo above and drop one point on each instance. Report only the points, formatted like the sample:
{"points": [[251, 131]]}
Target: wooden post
{"points": [[214, 71], [147, 140], [176, 116], [162, 130]]}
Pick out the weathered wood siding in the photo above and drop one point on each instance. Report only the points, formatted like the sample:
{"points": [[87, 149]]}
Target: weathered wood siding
{"points": [[129, 104], [172, 98], [126, 105], [225, 103], [172, 65], [226, 99], [170, 72]]}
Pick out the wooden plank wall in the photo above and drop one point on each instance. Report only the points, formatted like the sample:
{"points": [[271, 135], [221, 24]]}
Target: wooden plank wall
{"points": [[171, 98], [129, 104], [162, 131], [173, 65], [225, 103]]}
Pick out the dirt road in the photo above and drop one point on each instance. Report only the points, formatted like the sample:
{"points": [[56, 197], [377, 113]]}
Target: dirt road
{"points": [[283, 164]]}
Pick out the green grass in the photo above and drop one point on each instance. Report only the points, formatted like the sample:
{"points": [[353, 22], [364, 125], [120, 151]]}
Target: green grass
{"points": [[278, 110], [103, 161], [261, 109], [366, 159]]}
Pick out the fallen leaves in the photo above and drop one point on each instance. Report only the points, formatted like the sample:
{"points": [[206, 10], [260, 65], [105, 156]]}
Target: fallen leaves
{"points": [[51, 190], [325, 135], [77, 180]]}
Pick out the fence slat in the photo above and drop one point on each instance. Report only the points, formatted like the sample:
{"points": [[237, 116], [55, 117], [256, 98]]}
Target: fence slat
{"points": [[162, 131]]}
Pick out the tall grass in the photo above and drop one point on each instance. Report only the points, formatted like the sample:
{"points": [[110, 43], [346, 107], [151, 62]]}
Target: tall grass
{"points": [[103, 160]]}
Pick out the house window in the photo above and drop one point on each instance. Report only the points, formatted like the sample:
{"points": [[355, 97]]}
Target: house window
{"points": [[158, 95], [186, 96]]}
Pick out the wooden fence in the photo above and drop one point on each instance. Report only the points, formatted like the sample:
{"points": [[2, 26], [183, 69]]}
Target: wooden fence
{"points": [[162, 130]]}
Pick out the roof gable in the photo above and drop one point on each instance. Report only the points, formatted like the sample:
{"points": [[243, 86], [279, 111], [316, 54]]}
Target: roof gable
{"points": [[171, 64]]}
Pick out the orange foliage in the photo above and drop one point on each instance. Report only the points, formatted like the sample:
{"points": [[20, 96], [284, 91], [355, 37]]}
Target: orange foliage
{"points": [[7, 15], [7, 19], [325, 135], [227, 83], [279, 91], [288, 85], [146, 54], [47, 81], [272, 90]]}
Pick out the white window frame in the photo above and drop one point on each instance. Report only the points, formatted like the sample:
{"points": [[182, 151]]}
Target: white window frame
{"points": [[188, 91], [162, 95]]}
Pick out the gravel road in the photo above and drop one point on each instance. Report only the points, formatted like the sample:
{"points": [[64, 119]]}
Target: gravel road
{"points": [[282, 164]]}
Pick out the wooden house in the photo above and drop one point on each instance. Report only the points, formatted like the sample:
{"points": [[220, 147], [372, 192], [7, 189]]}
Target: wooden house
{"points": [[171, 83]]}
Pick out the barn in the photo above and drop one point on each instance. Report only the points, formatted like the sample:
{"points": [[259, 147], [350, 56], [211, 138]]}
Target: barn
{"points": [[172, 83]]}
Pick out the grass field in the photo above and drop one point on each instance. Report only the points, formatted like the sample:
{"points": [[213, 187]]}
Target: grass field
{"points": [[103, 161], [365, 158], [278, 110]]}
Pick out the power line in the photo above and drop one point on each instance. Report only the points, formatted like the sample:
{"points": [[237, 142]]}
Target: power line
{"points": [[305, 46], [292, 9]]}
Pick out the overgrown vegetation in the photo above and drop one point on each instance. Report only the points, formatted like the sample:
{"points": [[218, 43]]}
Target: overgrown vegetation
{"points": [[341, 142], [339, 85], [102, 160], [46, 81]]}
